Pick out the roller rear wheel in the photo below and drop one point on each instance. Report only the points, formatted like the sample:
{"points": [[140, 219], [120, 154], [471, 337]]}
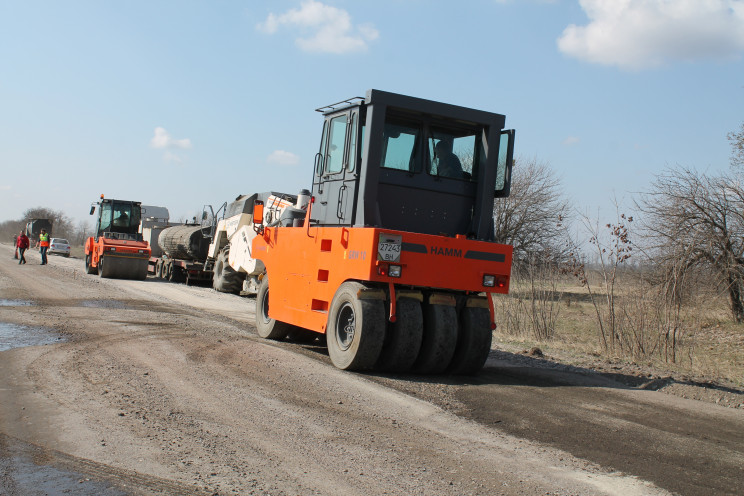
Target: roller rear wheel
{"points": [[356, 328], [402, 337], [473, 341], [440, 339]]}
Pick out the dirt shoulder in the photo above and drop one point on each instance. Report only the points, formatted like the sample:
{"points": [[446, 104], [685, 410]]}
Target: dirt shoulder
{"points": [[161, 388]]}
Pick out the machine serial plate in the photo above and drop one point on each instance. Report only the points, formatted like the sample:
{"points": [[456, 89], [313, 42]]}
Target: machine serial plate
{"points": [[388, 248]]}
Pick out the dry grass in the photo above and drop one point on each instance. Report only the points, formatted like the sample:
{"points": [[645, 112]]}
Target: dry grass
{"points": [[709, 345]]}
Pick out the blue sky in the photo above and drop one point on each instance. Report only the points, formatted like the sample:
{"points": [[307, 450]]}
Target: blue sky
{"points": [[186, 103]]}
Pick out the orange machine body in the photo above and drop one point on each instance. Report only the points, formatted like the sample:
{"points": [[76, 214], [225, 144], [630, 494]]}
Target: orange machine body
{"points": [[306, 266], [118, 249]]}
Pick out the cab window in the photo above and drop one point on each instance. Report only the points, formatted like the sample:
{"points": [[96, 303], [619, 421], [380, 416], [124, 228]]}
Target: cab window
{"points": [[455, 154], [105, 217], [352, 144], [399, 147], [336, 144]]}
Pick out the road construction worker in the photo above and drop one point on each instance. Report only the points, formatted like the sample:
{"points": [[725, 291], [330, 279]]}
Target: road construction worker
{"points": [[22, 245], [43, 246]]}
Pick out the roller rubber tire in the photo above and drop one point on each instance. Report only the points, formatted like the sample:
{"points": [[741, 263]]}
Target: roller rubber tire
{"points": [[473, 341], [402, 337], [440, 339], [267, 327], [225, 279], [356, 329]]}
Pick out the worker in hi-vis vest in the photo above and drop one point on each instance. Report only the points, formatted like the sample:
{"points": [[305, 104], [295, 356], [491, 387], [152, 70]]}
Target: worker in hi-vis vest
{"points": [[43, 246]]}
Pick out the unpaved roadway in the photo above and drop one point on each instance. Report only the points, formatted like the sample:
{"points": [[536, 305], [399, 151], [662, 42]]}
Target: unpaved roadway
{"points": [[160, 388]]}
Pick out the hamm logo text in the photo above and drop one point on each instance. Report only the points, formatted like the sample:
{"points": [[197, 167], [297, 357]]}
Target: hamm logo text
{"points": [[448, 252]]}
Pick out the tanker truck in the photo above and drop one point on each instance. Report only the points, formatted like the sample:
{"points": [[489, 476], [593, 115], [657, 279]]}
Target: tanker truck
{"points": [[179, 251]]}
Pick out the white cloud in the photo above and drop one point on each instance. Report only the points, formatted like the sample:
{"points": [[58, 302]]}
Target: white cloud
{"points": [[571, 140], [162, 139], [639, 34], [280, 157], [169, 156], [323, 28]]}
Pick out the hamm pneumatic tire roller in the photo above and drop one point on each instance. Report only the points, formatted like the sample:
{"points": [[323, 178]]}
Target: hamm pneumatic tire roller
{"points": [[392, 256]]}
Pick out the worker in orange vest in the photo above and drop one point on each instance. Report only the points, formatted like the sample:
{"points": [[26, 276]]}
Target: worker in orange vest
{"points": [[43, 246]]}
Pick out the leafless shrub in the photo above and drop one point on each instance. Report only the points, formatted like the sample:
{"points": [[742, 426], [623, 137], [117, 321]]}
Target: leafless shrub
{"points": [[613, 248], [535, 304], [695, 220], [639, 312]]}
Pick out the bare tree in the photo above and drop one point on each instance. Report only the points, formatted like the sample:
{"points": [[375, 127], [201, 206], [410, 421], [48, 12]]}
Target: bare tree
{"points": [[62, 225], [737, 147], [531, 218], [695, 220], [9, 229]]}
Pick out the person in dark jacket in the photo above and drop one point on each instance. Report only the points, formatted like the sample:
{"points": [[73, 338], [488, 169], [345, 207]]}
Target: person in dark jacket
{"points": [[22, 243]]}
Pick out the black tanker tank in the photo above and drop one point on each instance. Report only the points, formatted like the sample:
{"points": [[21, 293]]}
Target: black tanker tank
{"points": [[184, 242]]}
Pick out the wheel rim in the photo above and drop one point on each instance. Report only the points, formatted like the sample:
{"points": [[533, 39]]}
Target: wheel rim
{"points": [[345, 326], [265, 308]]}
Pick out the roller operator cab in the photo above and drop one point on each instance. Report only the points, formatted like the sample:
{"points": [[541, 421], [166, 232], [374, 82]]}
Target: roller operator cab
{"points": [[395, 261], [117, 249]]}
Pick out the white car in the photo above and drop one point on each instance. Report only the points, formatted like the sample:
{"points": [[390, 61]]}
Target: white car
{"points": [[59, 246]]}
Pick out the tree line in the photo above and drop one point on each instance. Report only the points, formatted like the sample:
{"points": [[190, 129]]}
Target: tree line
{"points": [[62, 225], [684, 234]]}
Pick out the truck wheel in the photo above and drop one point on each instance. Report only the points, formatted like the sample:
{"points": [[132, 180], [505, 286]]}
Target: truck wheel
{"points": [[166, 270], [267, 327], [88, 268], [440, 338], [159, 269], [225, 278], [356, 329], [473, 341], [174, 273], [402, 338]]}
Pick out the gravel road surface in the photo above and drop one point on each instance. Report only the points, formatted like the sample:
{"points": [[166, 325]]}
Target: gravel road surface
{"points": [[149, 387]]}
